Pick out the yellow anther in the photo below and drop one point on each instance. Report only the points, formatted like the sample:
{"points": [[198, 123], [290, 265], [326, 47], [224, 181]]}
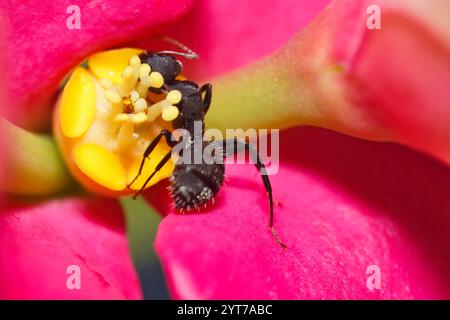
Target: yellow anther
{"points": [[112, 96], [144, 70], [156, 80], [140, 117], [78, 104], [174, 96], [140, 105], [106, 83], [135, 61], [100, 165], [121, 117], [170, 113], [134, 95]]}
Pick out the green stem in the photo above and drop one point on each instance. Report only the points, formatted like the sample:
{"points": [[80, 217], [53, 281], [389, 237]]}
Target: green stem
{"points": [[300, 84], [261, 96], [31, 162]]}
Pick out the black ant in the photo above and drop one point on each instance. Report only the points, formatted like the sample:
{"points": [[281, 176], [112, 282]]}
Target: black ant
{"points": [[193, 184]]}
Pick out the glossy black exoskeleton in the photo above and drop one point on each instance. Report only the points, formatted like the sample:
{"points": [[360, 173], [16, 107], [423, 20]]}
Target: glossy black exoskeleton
{"points": [[194, 184]]}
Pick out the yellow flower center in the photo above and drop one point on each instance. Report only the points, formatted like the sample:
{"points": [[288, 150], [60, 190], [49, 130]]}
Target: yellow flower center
{"points": [[107, 118]]}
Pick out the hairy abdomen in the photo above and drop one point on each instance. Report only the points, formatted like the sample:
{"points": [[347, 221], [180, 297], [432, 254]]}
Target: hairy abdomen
{"points": [[195, 184]]}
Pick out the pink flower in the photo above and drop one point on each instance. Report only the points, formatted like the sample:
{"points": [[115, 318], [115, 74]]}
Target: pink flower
{"points": [[343, 205], [41, 240]]}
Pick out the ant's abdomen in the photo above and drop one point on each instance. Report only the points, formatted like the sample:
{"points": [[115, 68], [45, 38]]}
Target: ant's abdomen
{"points": [[193, 185]]}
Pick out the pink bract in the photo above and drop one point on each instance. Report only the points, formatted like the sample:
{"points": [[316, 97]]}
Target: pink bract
{"points": [[343, 205], [228, 36], [41, 49], [38, 242]]}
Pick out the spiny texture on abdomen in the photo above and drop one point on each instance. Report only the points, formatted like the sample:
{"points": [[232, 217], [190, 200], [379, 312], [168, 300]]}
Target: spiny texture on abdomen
{"points": [[195, 184]]}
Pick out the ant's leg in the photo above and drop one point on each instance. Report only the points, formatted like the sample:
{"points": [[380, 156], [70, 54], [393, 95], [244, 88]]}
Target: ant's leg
{"points": [[262, 170], [169, 139], [158, 167], [207, 88]]}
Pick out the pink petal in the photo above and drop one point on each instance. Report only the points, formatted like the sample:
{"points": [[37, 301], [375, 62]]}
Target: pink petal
{"points": [[343, 205], [229, 35], [404, 70], [339, 74], [41, 49], [388, 84], [391, 82], [38, 242]]}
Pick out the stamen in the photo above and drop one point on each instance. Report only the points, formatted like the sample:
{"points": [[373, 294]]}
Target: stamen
{"points": [[113, 108], [105, 83], [134, 95], [156, 80], [174, 96], [144, 70], [121, 117], [131, 96], [138, 118], [134, 60], [127, 73], [130, 76], [140, 105], [170, 113], [143, 86], [154, 111], [112, 96]]}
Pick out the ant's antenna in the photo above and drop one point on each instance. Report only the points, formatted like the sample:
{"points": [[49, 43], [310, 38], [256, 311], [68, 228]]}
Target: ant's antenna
{"points": [[189, 54]]}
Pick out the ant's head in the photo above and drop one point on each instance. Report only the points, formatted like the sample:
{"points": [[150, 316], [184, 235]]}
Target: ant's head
{"points": [[165, 63]]}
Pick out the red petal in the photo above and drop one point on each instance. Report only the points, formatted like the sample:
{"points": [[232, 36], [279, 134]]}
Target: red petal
{"points": [[227, 35], [39, 242], [343, 205], [41, 49]]}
